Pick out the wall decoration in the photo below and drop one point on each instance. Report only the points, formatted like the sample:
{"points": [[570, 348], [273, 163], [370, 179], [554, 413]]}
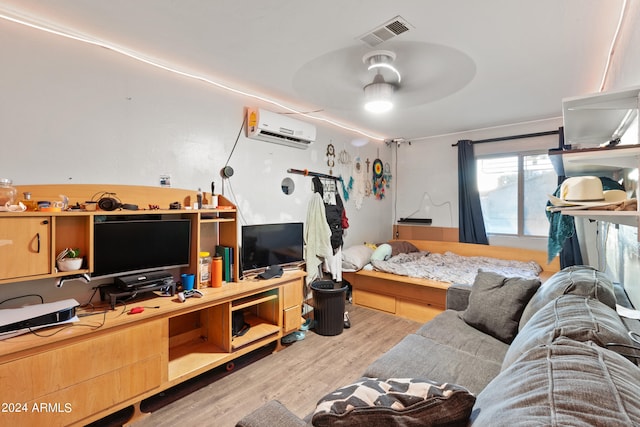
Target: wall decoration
{"points": [[360, 181], [367, 190], [378, 180], [331, 157], [344, 157], [346, 189], [387, 174]]}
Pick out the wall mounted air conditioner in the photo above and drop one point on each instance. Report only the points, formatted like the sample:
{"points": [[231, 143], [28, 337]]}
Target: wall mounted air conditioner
{"points": [[278, 128]]}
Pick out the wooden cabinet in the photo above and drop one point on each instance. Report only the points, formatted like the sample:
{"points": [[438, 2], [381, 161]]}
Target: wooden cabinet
{"points": [[25, 248], [411, 298], [69, 383], [82, 375], [30, 241], [292, 298]]}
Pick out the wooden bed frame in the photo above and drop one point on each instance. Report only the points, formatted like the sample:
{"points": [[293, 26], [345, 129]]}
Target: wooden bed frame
{"points": [[422, 299]]}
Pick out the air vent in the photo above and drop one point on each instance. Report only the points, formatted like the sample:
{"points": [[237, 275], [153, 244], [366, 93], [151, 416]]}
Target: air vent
{"points": [[392, 28]]}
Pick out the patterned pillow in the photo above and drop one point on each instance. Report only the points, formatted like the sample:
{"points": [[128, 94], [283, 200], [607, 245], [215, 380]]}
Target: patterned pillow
{"points": [[395, 401]]}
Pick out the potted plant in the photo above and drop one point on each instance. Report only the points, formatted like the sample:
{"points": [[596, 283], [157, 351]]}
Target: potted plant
{"points": [[69, 259]]}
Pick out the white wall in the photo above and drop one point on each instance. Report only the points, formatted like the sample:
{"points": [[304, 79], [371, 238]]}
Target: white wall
{"points": [[75, 113], [431, 166]]}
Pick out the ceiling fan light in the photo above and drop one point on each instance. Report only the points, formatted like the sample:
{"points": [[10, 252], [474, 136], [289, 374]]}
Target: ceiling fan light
{"points": [[378, 97], [386, 67], [381, 59]]}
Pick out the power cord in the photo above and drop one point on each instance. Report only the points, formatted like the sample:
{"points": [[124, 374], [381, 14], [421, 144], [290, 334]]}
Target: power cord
{"points": [[23, 296]]}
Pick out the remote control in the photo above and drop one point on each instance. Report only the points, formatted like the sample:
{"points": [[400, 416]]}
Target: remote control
{"points": [[182, 296]]}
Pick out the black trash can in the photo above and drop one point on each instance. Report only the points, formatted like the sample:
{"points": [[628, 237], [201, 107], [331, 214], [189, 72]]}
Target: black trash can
{"points": [[328, 310]]}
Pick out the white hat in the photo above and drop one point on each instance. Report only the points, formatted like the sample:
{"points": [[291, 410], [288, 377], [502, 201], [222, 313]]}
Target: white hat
{"points": [[586, 191]]}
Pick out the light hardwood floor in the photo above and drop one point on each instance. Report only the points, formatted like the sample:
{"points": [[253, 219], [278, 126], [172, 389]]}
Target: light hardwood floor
{"points": [[297, 376]]}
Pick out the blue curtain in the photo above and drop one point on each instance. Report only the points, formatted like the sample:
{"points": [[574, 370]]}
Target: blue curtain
{"points": [[471, 222]]}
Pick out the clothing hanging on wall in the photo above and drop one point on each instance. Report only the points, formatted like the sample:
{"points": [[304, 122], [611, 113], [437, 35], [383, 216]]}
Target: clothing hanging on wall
{"points": [[334, 211], [317, 237]]}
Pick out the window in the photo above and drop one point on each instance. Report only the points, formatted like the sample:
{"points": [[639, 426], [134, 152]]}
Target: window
{"points": [[513, 192]]}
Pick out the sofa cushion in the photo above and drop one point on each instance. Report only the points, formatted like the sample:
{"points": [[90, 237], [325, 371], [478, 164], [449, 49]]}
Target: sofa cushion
{"points": [[496, 303], [562, 383], [395, 401], [576, 280], [418, 357], [572, 316], [449, 328]]}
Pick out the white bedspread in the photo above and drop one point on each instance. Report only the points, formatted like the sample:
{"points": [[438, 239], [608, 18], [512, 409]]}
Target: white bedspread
{"points": [[453, 268]]}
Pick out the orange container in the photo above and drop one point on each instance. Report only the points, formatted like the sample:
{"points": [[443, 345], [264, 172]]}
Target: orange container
{"points": [[216, 272]]}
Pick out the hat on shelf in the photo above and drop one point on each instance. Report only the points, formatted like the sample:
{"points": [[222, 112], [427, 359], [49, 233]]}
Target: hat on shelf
{"points": [[586, 191]]}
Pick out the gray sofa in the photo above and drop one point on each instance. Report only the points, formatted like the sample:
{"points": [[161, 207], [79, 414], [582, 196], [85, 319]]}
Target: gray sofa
{"points": [[523, 353]]}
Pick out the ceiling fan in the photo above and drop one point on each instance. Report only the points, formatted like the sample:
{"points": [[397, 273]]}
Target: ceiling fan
{"points": [[379, 93]]}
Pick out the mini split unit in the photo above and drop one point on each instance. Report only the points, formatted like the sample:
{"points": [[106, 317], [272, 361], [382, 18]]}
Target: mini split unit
{"points": [[280, 129]]}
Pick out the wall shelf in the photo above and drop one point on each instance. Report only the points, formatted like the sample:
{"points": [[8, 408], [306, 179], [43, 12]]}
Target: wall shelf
{"points": [[598, 118], [593, 161], [592, 121], [629, 218]]}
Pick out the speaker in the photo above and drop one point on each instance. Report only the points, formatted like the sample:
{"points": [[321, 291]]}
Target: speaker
{"points": [[226, 172]]}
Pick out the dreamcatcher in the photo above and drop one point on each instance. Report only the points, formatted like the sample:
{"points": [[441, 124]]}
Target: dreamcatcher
{"points": [[360, 182], [378, 179], [344, 158], [331, 157], [387, 174]]}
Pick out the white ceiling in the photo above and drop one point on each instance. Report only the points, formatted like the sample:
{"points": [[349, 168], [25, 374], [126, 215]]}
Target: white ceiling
{"points": [[465, 64]]}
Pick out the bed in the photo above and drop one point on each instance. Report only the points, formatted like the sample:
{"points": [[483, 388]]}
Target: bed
{"points": [[420, 298]]}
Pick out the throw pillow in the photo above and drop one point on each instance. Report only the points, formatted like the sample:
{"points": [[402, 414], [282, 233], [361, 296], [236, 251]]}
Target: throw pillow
{"points": [[382, 252], [576, 317], [395, 401], [565, 383], [575, 280], [356, 257], [402, 247], [496, 303]]}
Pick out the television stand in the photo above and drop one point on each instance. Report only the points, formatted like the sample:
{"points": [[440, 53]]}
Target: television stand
{"points": [[113, 293]]}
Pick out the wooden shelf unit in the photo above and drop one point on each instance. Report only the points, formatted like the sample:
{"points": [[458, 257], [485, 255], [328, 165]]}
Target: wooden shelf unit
{"points": [[115, 360], [108, 367], [58, 230]]}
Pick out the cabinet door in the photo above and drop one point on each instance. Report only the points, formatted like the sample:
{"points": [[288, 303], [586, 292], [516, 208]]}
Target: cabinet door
{"points": [[292, 306], [25, 247]]}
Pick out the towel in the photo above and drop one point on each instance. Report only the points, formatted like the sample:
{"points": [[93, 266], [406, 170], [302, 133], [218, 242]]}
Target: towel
{"points": [[317, 237]]}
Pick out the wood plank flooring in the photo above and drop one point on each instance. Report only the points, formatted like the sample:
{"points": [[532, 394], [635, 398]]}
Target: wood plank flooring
{"points": [[297, 376]]}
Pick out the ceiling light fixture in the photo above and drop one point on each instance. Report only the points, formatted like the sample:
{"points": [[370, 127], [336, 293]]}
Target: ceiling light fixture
{"points": [[378, 95], [382, 59]]}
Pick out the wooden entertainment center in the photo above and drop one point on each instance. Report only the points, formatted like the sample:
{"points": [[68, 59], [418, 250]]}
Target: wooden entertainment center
{"points": [[112, 359]]}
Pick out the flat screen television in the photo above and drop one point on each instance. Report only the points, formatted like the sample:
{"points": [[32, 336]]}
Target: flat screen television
{"points": [[129, 244], [264, 245]]}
